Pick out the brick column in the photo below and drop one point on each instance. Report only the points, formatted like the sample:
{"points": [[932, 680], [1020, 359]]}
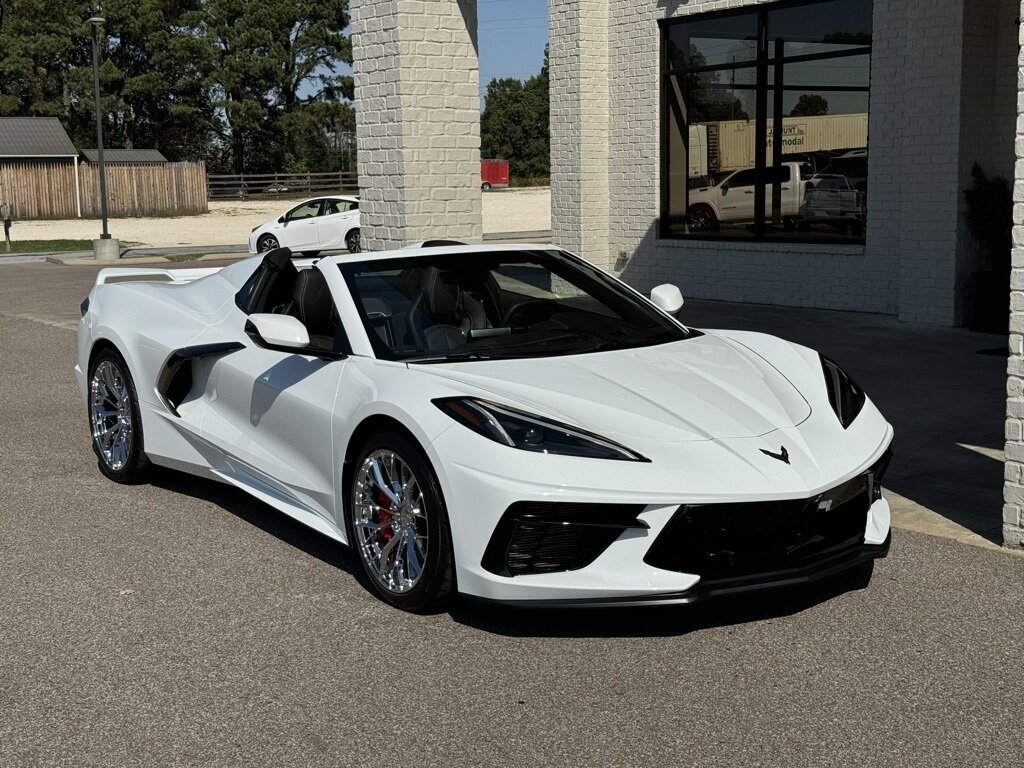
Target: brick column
{"points": [[417, 120], [1013, 509], [578, 66]]}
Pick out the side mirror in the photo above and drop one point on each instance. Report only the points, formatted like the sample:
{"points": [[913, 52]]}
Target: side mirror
{"points": [[667, 298], [283, 333], [283, 220]]}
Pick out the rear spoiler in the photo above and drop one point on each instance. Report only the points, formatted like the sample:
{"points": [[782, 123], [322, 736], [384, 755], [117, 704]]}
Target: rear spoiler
{"points": [[177, 276]]}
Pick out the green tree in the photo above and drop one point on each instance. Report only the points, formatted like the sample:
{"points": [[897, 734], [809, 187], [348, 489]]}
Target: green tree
{"points": [[250, 85], [152, 79], [810, 105], [41, 44], [515, 125], [275, 78]]}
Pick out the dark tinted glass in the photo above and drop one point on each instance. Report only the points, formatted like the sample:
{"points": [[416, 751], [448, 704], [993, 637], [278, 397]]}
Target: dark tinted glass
{"points": [[839, 22], [713, 42], [514, 304], [811, 115]]}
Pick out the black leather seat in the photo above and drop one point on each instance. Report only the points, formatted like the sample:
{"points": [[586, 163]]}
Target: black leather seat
{"points": [[443, 314], [312, 305]]}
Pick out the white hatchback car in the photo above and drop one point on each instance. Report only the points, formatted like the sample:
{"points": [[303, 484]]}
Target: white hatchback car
{"points": [[326, 223]]}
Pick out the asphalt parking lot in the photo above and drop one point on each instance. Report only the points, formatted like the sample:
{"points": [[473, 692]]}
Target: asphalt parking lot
{"points": [[182, 623]]}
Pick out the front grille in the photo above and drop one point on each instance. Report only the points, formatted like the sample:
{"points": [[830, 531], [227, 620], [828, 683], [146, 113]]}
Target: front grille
{"points": [[542, 537], [722, 541]]}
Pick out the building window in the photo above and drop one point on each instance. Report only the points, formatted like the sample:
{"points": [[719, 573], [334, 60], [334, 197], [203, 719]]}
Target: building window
{"points": [[765, 123]]}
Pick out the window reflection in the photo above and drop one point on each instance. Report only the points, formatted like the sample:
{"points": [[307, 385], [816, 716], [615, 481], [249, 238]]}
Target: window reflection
{"points": [[768, 143]]}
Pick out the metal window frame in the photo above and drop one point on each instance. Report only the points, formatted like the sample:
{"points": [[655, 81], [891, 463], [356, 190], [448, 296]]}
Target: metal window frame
{"points": [[764, 62]]}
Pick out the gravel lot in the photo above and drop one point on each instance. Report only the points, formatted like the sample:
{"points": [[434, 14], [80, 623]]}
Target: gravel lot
{"points": [[182, 623], [229, 222]]}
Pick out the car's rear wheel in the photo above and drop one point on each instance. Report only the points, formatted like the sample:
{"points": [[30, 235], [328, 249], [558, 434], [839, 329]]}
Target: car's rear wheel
{"points": [[485, 186], [114, 419], [267, 243], [352, 241], [398, 524]]}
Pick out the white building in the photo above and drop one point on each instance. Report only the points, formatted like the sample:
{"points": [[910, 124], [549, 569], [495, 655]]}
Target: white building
{"points": [[883, 105]]}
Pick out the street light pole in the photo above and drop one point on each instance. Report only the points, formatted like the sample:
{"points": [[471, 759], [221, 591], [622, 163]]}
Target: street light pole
{"points": [[97, 23]]}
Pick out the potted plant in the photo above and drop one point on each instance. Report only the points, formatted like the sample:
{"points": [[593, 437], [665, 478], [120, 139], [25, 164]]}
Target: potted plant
{"points": [[990, 221]]}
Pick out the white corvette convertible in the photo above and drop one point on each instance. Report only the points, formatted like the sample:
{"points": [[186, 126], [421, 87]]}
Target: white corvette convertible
{"points": [[505, 422]]}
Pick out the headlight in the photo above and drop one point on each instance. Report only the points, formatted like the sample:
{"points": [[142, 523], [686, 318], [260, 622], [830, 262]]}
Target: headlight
{"points": [[845, 397], [527, 432]]}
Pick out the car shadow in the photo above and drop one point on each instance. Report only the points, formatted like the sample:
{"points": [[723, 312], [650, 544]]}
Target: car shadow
{"points": [[649, 621], [644, 621], [259, 515]]}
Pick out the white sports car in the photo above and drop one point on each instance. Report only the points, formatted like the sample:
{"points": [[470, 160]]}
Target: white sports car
{"points": [[505, 422], [325, 223]]}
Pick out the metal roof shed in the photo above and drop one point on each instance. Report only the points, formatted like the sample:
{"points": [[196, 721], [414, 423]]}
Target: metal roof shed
{"points": [[38, 138], [126, 156], [35, 138]]}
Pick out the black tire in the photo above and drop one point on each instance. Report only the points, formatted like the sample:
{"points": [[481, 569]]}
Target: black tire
{"points": [[352, 242], [134, 466], [267, 243], [436, 583], [702, 219], [485, 186]]}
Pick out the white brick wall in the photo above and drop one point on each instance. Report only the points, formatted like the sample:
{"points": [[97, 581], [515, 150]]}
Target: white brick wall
{"points": [[909, 265], [417, 120], [1013, 510], [580, 83]]}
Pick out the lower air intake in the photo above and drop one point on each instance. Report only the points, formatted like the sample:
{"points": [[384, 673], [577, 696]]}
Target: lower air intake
{"points": [[541, 537], [724, 541]]}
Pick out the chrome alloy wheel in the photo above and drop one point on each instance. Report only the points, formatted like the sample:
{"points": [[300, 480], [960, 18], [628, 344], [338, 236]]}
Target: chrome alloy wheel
{"points": [[110, 413], [389, 519]]}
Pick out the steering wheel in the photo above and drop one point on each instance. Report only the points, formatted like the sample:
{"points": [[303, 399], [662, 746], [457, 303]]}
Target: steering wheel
{"points": [[528, 312]]}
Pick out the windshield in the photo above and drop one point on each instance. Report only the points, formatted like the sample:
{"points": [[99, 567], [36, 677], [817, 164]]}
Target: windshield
{"points": [[468, 306]]}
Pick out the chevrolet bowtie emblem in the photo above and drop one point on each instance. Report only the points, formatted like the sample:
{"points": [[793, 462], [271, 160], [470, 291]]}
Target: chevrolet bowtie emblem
{"points": [[782, 455]]}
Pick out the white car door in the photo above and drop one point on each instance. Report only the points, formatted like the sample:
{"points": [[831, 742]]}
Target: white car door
{"points": [[299, 228], [737, 197], [271, 413], [335, 222]]}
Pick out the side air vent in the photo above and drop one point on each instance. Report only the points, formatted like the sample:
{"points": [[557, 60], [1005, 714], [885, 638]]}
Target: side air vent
{"points": [[175, 379]]}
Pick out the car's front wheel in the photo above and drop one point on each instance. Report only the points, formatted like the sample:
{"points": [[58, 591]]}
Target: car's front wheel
{"points": [[352, 241], [114, 419], [398, 524], [267, 243]]}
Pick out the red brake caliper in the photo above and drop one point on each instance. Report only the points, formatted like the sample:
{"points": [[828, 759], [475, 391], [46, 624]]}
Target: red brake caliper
{"points": [[383, 517]]}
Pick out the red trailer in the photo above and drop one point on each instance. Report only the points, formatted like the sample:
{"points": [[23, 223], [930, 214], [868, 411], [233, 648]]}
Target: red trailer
{"points": [[493, 173]]}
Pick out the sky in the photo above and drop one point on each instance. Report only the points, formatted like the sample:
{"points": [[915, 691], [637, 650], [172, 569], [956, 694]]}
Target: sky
{"points": [[512, 36]]}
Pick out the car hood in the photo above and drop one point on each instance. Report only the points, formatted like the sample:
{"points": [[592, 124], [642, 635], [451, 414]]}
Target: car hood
{"points": [[704, 388]]}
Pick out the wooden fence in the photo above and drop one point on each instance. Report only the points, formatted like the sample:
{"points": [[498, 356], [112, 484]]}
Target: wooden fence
{"points": [[50, 190], [280, 184]]}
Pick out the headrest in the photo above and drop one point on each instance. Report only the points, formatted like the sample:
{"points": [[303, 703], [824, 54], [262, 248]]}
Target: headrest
{"points": [[312, 298], [440, 299], [279, 259]]}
